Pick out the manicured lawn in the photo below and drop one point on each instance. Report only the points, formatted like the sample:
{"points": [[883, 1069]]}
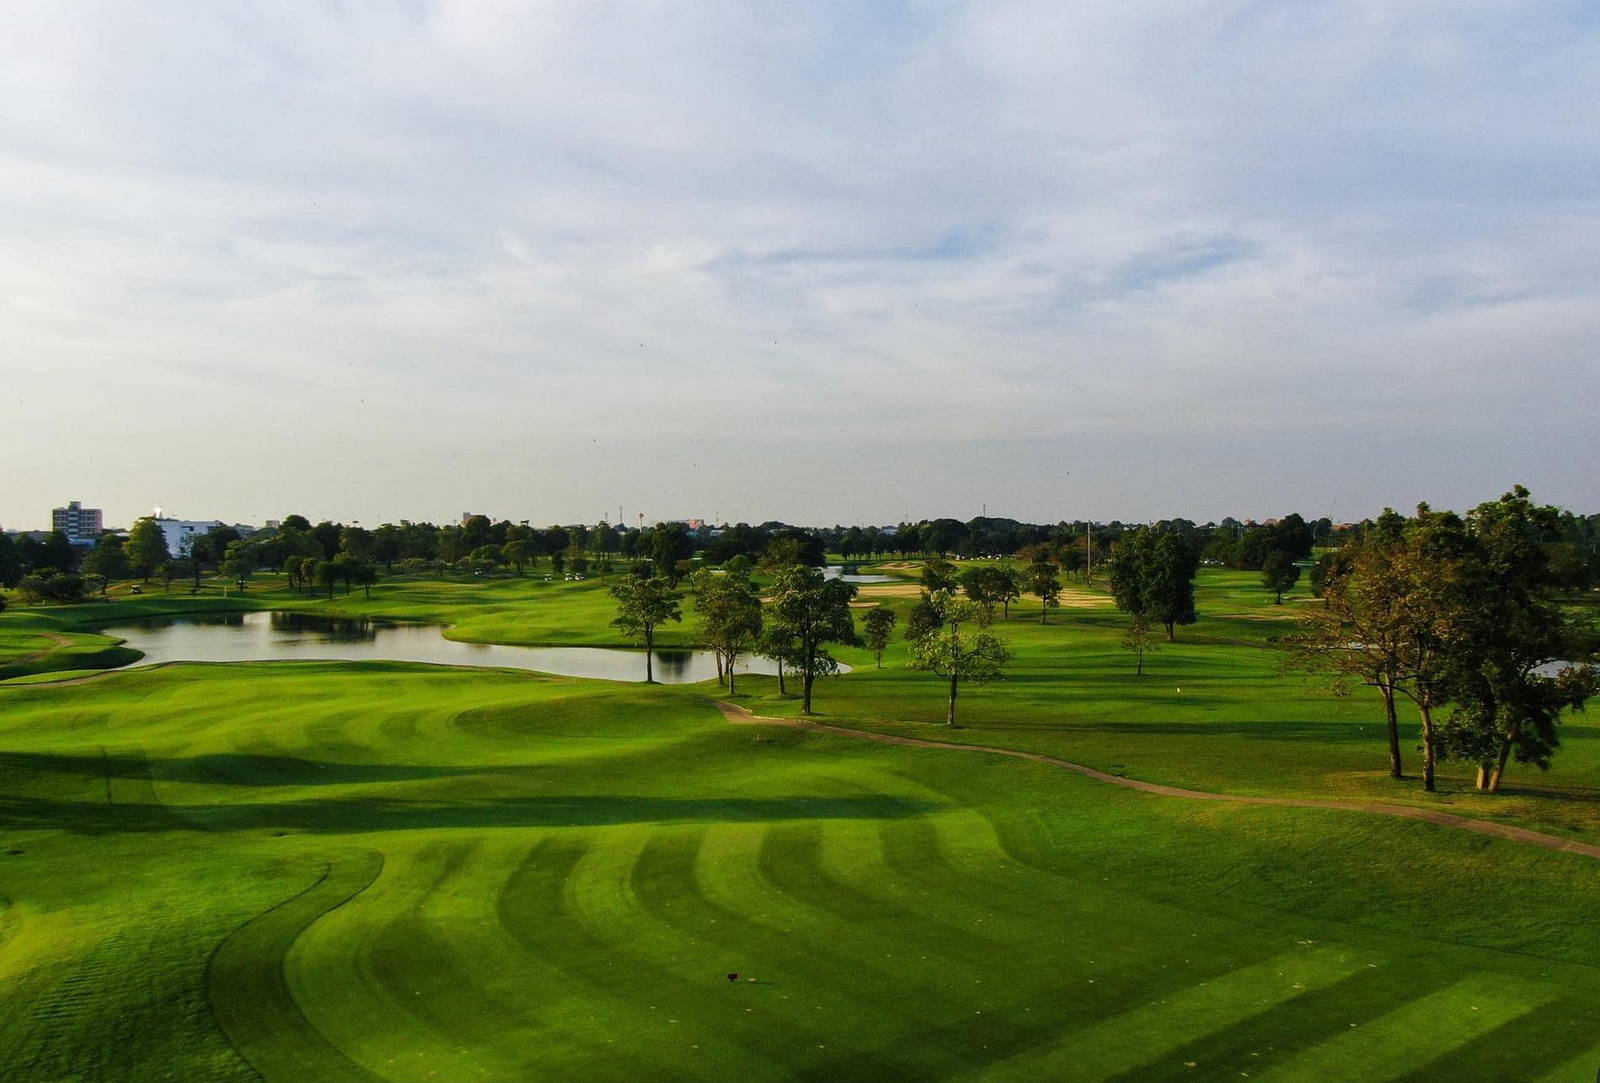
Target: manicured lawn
{"points": [[332, 871]]}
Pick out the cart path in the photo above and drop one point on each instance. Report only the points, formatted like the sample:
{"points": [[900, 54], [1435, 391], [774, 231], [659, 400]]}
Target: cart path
{"points": [[743, 715]]}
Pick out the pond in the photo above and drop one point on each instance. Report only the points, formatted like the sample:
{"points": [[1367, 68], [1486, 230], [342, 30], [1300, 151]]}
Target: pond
{"points": [[261, 637], [847, 572]]}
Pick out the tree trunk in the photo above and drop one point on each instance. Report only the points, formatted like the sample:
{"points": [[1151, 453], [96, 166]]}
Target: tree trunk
{"points": [[1393, 723], [731, 659], [782, 688], [1483, 777], [1139, 662], [717, 654], [950, 715], [805, 702], [649, 655], [1500, 765], [1171, 634], [1044, 612], [1427, 747]]}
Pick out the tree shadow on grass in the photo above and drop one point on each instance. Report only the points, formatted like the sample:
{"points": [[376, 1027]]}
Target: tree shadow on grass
{"points": [[1279, 730], [243, 769], [368, 814]]}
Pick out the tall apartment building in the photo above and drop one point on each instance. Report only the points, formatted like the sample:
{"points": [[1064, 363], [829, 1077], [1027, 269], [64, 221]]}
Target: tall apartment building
{"points": [[78, 523]]}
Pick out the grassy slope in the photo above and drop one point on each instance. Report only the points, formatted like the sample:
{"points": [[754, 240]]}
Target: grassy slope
{"points": [[329, 871], [1214, 711]]}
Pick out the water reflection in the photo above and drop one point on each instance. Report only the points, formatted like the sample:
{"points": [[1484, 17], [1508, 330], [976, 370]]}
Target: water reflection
{"points": [[850, 574], [261, 637], [325, 629]]}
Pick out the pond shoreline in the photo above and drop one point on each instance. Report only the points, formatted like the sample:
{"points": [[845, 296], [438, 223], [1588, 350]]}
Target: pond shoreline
{"points": [[291, 635]]}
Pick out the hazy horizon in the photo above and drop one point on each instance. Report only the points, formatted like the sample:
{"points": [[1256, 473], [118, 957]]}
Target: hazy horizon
{"points": [[830, 263]]}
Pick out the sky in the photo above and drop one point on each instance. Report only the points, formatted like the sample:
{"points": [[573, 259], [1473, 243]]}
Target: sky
{"points": [[822, 262]]}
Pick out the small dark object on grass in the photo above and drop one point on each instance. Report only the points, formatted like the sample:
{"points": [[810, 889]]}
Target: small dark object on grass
{"points": [[733, 977]]}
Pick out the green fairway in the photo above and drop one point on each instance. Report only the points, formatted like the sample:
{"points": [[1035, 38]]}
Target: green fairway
{"points": [[340, 871]]}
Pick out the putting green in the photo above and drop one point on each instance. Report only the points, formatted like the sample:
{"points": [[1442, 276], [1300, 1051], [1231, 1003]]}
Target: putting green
{"points": [[324, 871]]}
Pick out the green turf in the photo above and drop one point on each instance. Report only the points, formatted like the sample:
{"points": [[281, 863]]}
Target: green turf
{"points": [[306, 871]]}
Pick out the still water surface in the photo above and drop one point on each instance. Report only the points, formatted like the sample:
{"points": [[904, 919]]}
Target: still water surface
{"points": [[847, 572], [260, 637]]}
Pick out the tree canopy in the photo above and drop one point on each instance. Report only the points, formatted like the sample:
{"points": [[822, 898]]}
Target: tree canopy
{"points": [[812, 611], [959, 651], [643, 603], [1152, 576]]}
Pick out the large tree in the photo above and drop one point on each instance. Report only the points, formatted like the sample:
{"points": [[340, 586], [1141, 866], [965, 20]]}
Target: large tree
{"points": [[958, 651], [476, 532], [988, 587], [879, 624], [1447, 612], [1152, 576], [1434, 570], [1044, 583], [644, 603], [146, 548], [10, 562], [1509, 683], [239, 562], [106, 561], [939, 574], [388, 544], [730, 617], [326, 574], [670, 545], [519, 554], [1008, 587], [813, 611], [1358, 637], [1279, 574]]}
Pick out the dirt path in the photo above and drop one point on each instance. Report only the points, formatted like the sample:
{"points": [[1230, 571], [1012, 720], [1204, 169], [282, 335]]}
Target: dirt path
{"points": [[734, 713]]}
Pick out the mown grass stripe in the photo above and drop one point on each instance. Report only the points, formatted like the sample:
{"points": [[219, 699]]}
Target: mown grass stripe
{"points": [[1392, 1045], [1584, 1068], [568, 904], [248, 989], [1526, 1048], [1136, 1035]]}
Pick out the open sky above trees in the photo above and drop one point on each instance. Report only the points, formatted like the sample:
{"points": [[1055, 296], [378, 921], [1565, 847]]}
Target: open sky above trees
{"points": [[819, 263]]}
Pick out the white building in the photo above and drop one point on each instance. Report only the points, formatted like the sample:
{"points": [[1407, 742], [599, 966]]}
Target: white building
{"points": [[181, 533]]}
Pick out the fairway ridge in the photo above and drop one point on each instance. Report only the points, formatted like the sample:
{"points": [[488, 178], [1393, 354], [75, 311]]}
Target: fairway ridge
{"points": [[744, 716]]}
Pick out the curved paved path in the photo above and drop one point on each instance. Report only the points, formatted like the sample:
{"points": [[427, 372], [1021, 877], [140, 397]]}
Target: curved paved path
{"points": [[735, 713]]}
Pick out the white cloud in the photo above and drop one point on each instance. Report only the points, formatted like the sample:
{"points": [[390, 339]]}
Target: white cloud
{"points": [[808, 261]]}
